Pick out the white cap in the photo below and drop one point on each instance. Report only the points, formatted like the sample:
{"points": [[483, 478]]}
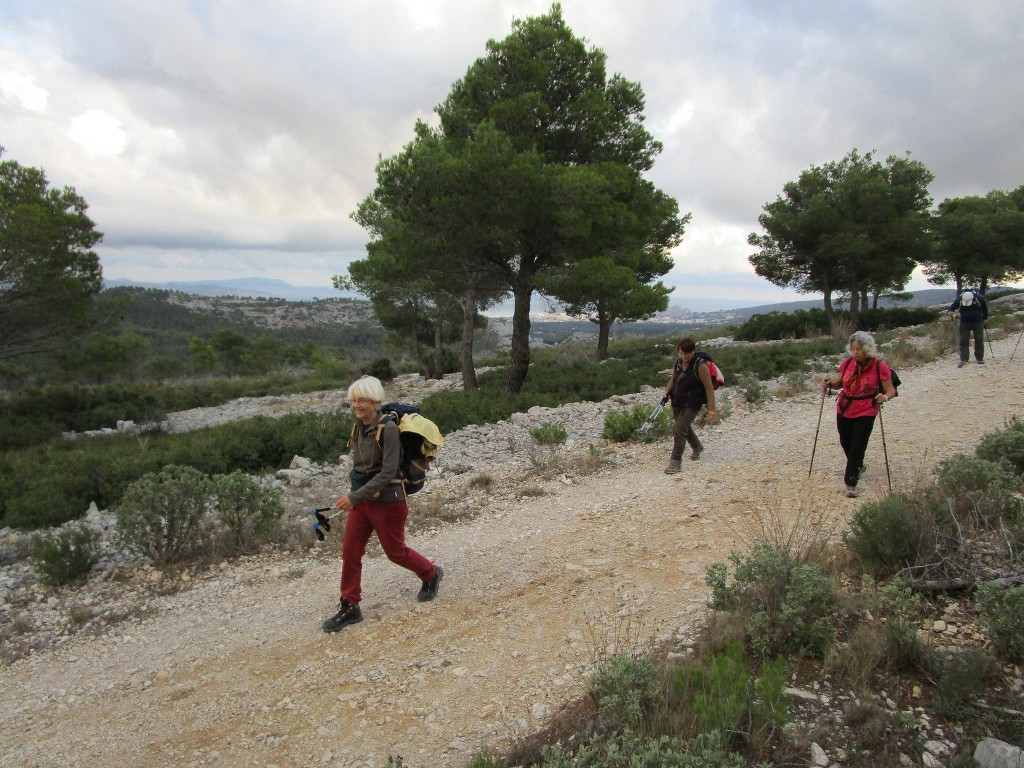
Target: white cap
{"points": [[967, 298]]}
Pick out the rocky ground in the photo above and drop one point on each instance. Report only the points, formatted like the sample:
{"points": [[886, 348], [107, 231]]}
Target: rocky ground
{"points": [[551, 560]]}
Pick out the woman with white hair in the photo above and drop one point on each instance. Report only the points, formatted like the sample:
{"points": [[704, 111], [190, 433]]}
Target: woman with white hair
{"points": [[376, 503], [865, 383]]}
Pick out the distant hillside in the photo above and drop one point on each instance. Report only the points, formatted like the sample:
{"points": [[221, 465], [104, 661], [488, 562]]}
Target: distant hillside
{"points": [[242, 287], [169, 319]]}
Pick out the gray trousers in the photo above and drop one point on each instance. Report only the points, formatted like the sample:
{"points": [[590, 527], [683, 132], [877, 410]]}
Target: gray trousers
{"points": [[684, 433], [966, 329]]}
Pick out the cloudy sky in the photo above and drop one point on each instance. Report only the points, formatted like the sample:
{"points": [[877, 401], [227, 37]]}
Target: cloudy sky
{"points": [[218, 139]]}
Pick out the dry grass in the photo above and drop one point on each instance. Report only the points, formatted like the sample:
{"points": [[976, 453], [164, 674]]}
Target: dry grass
{"points": [[808, 530]]}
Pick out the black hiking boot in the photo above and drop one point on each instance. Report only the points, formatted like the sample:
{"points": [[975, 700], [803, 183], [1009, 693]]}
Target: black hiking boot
{"points": [[347, 614], [429, 590]]}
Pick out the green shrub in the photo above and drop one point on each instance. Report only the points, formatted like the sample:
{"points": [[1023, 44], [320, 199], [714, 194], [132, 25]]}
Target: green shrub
{"points": [[630, 750], [549, 434], [625, 691], [248, 513], [163, 515], [1002, 610], [754, 391], [787, 606], [62, 556], [380, 368], [885, 534], [979, 487], [963, 679], [902, 646], [895, 601], [1005, 447], [718, 693], [49, 485], [623, 426]]}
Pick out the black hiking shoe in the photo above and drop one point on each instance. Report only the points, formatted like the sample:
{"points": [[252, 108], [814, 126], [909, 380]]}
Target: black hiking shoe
{"points": [[429, 590], [347, 614]]}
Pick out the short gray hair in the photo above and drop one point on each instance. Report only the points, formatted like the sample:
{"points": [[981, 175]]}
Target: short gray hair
{"points": [[867, 341], [368, 387]]}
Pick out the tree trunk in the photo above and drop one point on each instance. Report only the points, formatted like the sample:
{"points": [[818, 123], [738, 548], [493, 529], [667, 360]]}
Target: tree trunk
{"points": [[414, 346], [437, 369], [519, 365], [466, 349], [604, 325], [854, 306]]}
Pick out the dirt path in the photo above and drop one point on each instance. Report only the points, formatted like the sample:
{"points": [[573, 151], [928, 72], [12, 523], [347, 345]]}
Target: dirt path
{"points": [[235, 671]]}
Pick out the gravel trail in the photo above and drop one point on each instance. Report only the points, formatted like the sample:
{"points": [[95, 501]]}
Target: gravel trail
{"points": [[235, 671]]}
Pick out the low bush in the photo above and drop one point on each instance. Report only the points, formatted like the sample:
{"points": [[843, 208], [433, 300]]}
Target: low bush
{"points": [[50, 485], [631, 750], [247, 513], [1002, 611], [1005, 447], [549, 434], [964, 678], [808, 323], [64, 555], [885, 535], [717, 693], [787, 606], [978, 488], [626, 692], [380, 368], [754, 391], [623, 426], [162, 515]]}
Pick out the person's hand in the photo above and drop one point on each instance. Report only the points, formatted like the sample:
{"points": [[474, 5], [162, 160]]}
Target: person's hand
{"points": [[826, 384], [881, 397], [664, 399], [343, 504], [712, 414]]}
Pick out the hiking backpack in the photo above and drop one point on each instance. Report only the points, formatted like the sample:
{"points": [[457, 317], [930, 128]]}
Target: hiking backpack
{"points": [[420, 439], [717, 377]]}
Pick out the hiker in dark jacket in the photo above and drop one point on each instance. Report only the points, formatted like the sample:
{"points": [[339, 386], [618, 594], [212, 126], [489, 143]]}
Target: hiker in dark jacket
{"points": [[973, 319], [375, 503], [689, 388], [865, 382]]}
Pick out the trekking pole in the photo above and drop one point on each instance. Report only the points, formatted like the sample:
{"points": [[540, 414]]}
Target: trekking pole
{"points": [[956, 335], [885, 452], [817, 429], [651, 419], [321, 522], [989, 339], [1017, 344]]}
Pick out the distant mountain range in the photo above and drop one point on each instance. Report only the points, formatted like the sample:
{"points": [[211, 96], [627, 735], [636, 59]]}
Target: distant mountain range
{"points": [[256, 287], [243, 287]]}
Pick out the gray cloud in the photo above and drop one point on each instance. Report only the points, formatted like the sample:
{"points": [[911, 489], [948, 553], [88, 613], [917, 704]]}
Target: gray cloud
{"points": [[236, 139]]}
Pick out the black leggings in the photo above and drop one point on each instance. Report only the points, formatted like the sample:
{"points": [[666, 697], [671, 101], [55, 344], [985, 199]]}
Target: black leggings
{"points": [[853, 436]]}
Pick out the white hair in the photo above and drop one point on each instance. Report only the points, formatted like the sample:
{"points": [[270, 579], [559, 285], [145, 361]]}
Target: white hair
{"points": [[867, 342], [368, 387]]}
